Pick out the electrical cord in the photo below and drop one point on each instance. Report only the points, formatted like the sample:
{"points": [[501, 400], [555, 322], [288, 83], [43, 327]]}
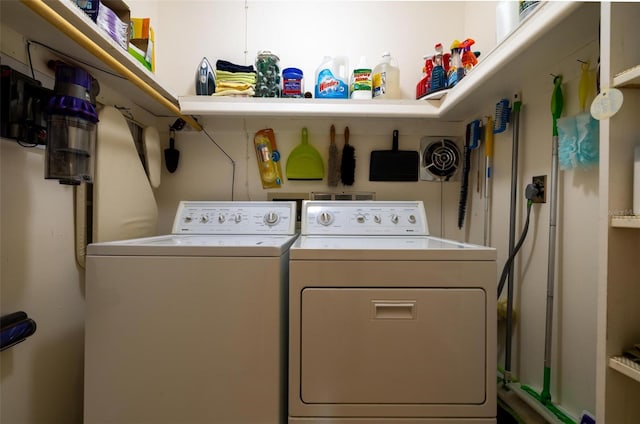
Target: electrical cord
{"points": [[531, 192], [233, 162]]}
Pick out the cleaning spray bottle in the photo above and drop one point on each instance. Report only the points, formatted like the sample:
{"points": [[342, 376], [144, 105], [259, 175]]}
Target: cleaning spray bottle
{"points": [[361, 86], [386, 79], [332, 78]]}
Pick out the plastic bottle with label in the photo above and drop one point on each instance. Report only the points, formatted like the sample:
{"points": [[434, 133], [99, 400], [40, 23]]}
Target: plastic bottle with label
{"points": [[332, 80], [526, 7], [386, 79], [361, 86]]}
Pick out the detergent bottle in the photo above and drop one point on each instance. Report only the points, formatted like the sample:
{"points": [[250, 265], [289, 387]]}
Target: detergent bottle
{"points": [[332, 78], [438, 73], [386, 79], [361, 86]]}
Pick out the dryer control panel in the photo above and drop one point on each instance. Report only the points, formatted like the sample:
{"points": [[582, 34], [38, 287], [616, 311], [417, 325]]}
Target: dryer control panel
{"points": [[364, 218], [235, 218]]}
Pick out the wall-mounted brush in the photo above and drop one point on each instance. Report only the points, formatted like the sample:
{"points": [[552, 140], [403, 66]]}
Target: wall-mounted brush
{"points": [[503, 116], [333, 171], [472, 141], [348, 162]]}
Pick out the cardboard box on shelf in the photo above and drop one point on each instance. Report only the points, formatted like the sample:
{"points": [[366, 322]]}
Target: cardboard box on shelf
{"points": [[141, 42]]}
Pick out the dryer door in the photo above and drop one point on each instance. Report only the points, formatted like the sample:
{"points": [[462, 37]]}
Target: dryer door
{"points": [[423, 346]]}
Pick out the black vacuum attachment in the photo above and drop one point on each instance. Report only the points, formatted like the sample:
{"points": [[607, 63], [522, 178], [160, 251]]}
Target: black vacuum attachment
{"points": [[171, 154]]}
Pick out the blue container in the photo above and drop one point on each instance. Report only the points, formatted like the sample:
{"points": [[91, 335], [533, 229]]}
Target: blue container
{"points": [[292, 83]]}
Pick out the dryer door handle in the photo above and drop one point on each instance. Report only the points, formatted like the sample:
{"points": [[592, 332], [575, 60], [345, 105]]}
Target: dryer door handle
{"points": [[389, 309]]}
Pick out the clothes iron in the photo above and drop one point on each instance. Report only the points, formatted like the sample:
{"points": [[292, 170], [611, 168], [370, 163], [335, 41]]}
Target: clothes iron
{"points": [[205, 79]]}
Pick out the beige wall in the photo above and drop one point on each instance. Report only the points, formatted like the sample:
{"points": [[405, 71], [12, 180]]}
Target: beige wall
{"points": [[42, 376]]}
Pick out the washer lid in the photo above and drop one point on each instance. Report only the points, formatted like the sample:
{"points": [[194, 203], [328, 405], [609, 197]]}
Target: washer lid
{"points": [[196, 245], [419, 248]]}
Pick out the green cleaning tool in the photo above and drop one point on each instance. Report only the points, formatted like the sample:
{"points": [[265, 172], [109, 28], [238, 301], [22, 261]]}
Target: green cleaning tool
{"points": [[544, 397], [305, 162]]}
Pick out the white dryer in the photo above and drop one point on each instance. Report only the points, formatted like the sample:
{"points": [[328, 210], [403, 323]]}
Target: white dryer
{"points": [[191, 327], [388, 324]]}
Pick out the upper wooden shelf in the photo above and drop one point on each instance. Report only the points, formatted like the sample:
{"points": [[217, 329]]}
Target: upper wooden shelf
{"points": [[17, 16], [527, 51]]}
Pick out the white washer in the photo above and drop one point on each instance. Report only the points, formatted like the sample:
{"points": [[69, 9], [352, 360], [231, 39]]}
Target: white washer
{"points": [[191, 327], [388, 324]]}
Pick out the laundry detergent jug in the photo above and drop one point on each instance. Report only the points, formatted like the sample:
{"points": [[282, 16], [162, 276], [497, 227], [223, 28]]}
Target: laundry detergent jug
{"points": [[332, 78], [386, 79]]}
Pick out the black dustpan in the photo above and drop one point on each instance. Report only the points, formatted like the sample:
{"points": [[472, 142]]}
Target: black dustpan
{"points": [[171, 154], [394, 165]]}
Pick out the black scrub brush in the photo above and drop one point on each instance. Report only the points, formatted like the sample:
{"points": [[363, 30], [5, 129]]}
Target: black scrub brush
{"points": [[348, 164], [333, 177], [464, 186]]}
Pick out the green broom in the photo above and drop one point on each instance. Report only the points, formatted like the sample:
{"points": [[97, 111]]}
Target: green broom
{"points": [[544, 397]]}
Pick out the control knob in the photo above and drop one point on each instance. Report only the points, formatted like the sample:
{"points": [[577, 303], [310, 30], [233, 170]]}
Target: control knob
{"points": [[394, 218], [325, 218], [271, 218]]}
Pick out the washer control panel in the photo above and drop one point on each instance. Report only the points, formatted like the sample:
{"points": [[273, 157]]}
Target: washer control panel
{"points": [[231, 217], [364, 218]]}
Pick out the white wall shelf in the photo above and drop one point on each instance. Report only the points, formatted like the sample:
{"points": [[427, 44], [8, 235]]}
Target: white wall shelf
{"points": [[250, 106], [626, 367], [629, 78], [631, 221], [527, 50]]}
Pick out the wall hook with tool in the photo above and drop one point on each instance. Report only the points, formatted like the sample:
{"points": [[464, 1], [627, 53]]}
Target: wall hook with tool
{"points": [[171, 154], [472, 141], [395, 164], [476, 138], [544, 397], [578, 140], [305, 162], [503, 116], [333, 169], [488, 165], [348, 163], [515, 134]]}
